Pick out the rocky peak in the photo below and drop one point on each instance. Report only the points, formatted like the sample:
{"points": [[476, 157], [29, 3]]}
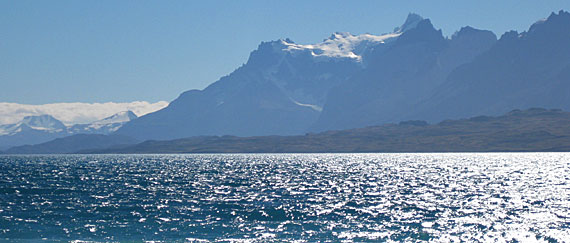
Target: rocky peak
{"points": [[411, 22]]}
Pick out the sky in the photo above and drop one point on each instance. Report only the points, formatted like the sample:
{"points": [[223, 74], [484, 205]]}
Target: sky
{"points": [[124, 51]]}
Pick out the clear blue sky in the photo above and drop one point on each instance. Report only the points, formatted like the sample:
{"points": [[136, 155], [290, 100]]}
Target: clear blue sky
{"points": [[99, 51]]}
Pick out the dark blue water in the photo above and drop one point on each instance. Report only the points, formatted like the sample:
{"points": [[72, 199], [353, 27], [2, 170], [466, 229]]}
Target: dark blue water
{"points": [[284, 198]]}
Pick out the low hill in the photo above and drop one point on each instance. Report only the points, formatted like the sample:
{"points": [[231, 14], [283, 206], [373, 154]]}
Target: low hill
{"points": [[73, 144], [534, 129]]}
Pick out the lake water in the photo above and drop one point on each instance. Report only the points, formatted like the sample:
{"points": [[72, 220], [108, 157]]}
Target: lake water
{"points": [[286, 197]]}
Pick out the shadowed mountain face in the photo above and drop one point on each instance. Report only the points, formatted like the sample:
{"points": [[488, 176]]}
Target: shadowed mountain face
{"points": [[347, 81], [401, 76], [264, 96], [530, 69]]}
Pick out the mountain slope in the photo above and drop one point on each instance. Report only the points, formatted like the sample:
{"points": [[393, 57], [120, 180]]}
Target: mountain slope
{"points": [[523, 70], [529, 130], [401, 76]]}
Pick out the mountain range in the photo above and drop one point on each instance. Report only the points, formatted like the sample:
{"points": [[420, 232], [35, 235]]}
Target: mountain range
{"points": [[43, 128], [352, 81]]}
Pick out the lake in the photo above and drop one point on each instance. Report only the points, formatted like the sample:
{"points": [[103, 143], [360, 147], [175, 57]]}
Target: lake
{"points": [[444, 197]]}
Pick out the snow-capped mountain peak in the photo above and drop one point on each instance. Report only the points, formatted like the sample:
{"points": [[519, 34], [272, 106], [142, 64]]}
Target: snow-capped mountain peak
{"points": [[106, 125], [43, 128], [120, 117], [339, 45], [51, 127], [344, 44], [44, 123]]}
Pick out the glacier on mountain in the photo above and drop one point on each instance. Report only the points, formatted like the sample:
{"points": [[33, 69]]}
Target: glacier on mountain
{"points": [[339, 45], [345, 44]]}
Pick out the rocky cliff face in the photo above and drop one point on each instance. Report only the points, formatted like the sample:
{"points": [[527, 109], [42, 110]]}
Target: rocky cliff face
{"points": [[522, 70]]}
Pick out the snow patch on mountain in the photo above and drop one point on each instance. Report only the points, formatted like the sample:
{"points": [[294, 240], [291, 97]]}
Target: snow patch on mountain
{"points": [[120, 117], [314, 107], [339, 45]]}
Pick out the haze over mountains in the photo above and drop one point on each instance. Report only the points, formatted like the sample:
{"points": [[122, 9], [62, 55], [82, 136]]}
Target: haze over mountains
{"points": [[353, 81], [350, 81]]}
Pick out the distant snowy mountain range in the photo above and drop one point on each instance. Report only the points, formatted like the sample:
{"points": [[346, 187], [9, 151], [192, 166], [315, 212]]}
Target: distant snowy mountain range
{"points": [[43, 128], [75, 112]]}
